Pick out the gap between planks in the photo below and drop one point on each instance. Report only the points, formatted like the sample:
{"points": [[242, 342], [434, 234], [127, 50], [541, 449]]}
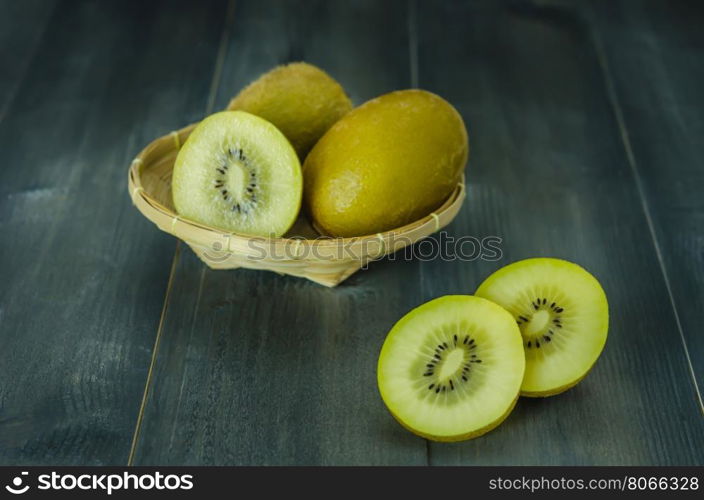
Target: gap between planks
{"points": [[625, 139], [210, 104]]}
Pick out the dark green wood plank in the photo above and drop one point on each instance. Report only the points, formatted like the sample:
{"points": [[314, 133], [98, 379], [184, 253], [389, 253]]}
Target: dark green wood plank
{"points": [[83, 273], [655, 57], [548, 174], [21, 27], [254, 368]]}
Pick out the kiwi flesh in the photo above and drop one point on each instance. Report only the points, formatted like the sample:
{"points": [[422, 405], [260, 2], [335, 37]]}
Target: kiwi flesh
{"points": [[452, 368], [300, 99], [563, 315], [237, 172]]}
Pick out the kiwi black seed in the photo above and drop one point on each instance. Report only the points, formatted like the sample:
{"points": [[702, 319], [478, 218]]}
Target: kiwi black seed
{"points": [[247, 201], [562, 313], [460, 377], [451, 369], [550, 319]]}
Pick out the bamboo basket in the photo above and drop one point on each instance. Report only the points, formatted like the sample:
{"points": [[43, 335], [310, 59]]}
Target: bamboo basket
{"points": [[303, 252]]}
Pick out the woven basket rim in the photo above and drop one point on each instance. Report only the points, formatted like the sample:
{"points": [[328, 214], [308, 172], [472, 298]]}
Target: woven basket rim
{"points": [[152, 208]]}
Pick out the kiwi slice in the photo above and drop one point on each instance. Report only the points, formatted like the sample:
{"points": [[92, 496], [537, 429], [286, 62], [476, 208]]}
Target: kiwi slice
{"points": [[562, 314], [451, 369], [238, 172]]}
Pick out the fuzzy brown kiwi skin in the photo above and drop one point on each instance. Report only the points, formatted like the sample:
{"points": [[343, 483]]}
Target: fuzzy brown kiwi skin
{"points": [[300, 99], [460, 437]]}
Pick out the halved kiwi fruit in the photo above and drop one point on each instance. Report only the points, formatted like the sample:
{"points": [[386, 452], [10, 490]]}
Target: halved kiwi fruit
{"points": [[238, 172], [562, 314], [451, 369]]}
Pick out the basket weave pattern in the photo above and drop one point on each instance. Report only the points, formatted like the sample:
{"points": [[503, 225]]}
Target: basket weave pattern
{"points": [[303, 252]]}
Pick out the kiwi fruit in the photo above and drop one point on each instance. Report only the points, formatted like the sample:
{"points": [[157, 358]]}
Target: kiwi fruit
{"points": [[562, 313], [452, 368], [389, 162], [239, 173], [300, 99]]}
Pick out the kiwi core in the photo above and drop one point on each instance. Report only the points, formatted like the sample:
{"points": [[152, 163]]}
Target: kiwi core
{"points": [[540, 322], [452, 364], [449, 366], [236, 181], [237, 178]]}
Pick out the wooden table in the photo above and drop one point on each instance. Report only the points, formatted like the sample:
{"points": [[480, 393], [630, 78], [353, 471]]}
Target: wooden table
{"points": [[119, 346]]}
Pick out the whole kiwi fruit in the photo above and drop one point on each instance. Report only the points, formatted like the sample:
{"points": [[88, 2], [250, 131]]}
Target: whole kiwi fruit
{"points": [[387, 163], [300, 99]]}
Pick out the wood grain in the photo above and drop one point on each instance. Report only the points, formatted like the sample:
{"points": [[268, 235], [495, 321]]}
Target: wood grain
{"points": [[255, 368], [22, 25], [83, 273], [585, 128], [654, 56], [549, 174]]}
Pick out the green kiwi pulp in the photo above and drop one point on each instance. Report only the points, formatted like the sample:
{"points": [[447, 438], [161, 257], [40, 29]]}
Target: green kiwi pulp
{"points": [[230, 183], [540, 321], [451, 369], [239, 173], [450, 363], [562, 313]]}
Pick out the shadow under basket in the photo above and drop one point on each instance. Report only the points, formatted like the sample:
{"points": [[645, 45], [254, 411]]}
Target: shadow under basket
{"points": [[303, 252]]}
